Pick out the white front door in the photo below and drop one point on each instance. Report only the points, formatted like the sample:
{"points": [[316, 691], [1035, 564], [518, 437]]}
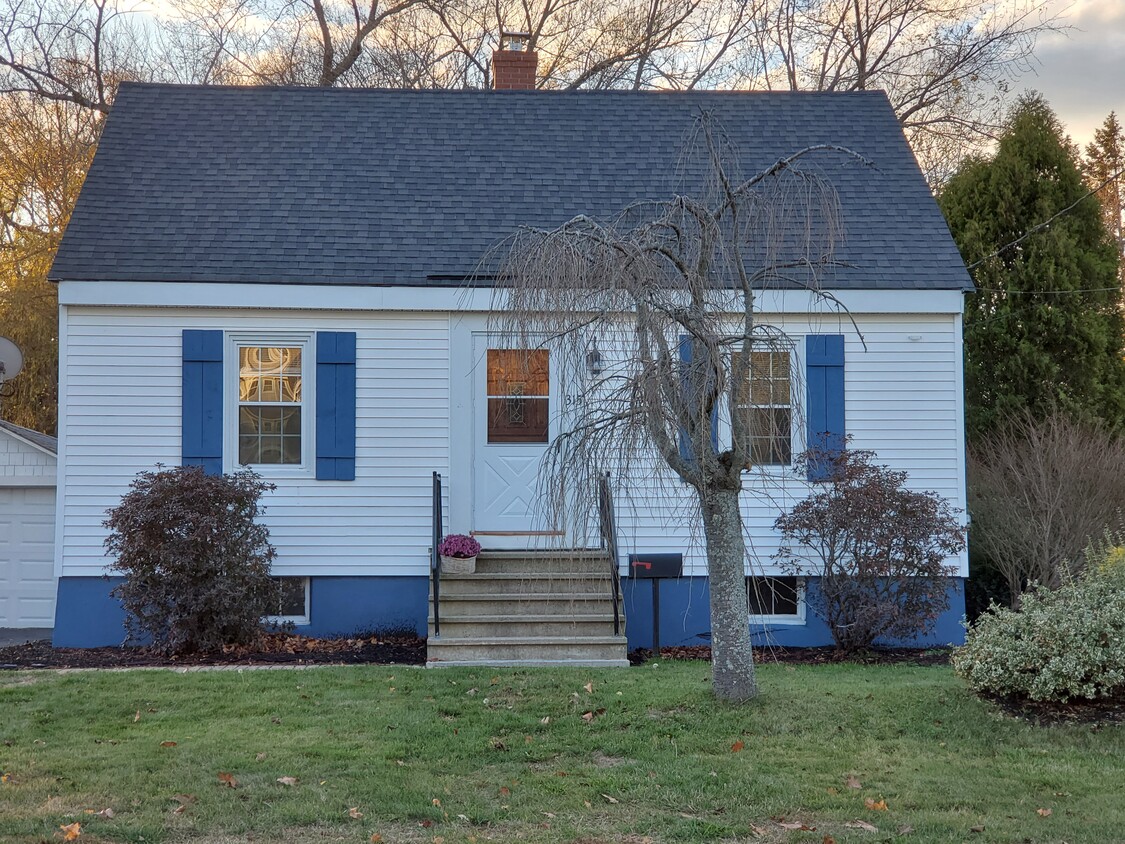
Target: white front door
{"points": [[514, 410]]}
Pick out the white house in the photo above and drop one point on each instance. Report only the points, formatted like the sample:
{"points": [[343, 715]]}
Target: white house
{"points": [[27, 527], [284, 278]]}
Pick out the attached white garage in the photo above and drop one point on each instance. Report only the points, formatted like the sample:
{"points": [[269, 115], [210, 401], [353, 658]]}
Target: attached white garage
{"points": [[28, 469]]}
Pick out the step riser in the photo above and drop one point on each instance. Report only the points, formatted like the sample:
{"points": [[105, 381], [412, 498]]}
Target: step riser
{"points": [[437, 651], [519, 628], [478, 584], [474, 605], [506, 565]]}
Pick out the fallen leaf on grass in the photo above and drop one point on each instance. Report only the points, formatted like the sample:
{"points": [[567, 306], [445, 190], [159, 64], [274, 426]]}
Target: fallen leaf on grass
{"points": [[71, 831], [167, 744], [228, 779], [287, 780], [261, 757], [758, 831], [184, 800], [426, 824], [354, 813], [1043, 813], [828, 839], [136, 718], [436, 802], [6, 778], [977, 828], [505, 791], [737, 747], [905, 830], [548, 814], [796, 826], [545, 720], [609, 799], [589, 687], [875, 805], [590, 716], [106, 813], [587, 804], [376, 838], [858, 824], [852, 782]]}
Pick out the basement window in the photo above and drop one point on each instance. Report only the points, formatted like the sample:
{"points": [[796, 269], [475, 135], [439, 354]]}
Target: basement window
{"points": [[776, 600], [293, 605]]}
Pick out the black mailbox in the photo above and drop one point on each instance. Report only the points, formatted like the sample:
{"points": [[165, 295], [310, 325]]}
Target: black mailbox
{"points": [[656, 565]]}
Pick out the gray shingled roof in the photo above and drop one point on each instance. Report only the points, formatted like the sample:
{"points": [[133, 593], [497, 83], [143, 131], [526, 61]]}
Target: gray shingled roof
{"points": [[41, 440], [313, 186]]}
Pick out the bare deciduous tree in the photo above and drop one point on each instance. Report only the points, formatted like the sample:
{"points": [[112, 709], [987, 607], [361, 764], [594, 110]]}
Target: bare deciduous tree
{"points": [[945, 64], [1039, 492], [667, 289], [73, 51]]}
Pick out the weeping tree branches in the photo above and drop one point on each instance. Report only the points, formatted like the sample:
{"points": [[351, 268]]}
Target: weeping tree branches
{"points": [[665, 291]]}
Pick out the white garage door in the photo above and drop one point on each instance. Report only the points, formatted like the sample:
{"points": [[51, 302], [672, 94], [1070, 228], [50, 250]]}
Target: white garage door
{"points": [[27, 567]]}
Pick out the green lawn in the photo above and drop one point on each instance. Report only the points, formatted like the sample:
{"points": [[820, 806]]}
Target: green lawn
{"points": [[458, 755]]}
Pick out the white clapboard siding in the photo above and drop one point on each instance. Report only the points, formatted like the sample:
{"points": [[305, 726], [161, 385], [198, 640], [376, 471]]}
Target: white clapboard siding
{"points": [[123, 381], [902, 400]]}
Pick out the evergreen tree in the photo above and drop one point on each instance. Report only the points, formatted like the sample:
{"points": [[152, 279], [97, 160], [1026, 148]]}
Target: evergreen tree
{"points": [[1105, 161], [1043, 329]]}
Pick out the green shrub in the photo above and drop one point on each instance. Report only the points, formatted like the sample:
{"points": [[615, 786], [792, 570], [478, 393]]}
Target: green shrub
{"points": [[1061, 644], [195, 561]]}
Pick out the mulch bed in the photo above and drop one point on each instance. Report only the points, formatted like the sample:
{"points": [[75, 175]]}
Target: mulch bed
{"points": [[274, 649], [286, 649], [1096, 713], [808, 656]]}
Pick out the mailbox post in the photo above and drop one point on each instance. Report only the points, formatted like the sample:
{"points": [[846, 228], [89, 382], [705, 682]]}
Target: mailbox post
{"points": [[656, 567]]}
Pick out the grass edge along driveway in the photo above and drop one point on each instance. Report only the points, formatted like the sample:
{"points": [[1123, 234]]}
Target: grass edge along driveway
{"points": [[541, 755]]}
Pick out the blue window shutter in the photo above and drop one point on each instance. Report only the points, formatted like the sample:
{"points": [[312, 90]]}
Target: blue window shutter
{"points": [[687, 450], [201, 441], [824, 374], [335, 405]]}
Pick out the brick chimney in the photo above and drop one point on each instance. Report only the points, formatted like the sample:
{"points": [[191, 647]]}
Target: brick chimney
{"points": [[513, 65]]}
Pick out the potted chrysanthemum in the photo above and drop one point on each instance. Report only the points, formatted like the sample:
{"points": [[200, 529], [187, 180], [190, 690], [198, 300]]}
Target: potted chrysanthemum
{"points": [[458, 554]]}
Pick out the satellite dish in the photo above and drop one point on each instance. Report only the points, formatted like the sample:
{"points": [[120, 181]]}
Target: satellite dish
{"points": [[11, 359]]}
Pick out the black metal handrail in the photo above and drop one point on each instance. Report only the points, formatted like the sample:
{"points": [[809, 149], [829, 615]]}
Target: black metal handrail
{"points": [[608, 525], [435, 557]]}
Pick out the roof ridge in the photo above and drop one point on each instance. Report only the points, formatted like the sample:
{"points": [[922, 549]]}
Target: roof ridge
{"points": [[549, 92]]}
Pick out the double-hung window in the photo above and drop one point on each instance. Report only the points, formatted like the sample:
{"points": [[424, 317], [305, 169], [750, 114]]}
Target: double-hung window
{"points": [[764, 400], [272, 414]]}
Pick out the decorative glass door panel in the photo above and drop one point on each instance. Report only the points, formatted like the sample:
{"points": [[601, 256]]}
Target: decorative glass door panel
{"points": [[518, 393]]}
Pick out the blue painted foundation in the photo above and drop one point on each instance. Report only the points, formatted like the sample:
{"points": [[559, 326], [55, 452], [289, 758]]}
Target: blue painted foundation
{"points": [[87, 616], [685, 617]]}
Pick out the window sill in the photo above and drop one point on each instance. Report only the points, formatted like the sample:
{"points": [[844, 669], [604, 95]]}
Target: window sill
{"points": [[777, 620]]}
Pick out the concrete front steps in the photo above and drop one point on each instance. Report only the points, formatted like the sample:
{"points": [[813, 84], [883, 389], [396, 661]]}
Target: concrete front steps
{"points": [[528, 608]]}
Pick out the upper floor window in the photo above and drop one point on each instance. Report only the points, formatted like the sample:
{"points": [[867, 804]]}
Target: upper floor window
{"points": [[765, 397], [271, 410]]}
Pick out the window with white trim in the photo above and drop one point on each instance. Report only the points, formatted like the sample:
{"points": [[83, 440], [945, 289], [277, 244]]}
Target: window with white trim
{"points": [[765, 397], [293, 601], [269, 400], [776, 599]]}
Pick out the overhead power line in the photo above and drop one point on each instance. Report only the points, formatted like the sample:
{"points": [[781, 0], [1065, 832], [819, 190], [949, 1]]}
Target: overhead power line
{"points": [[1045, 224]]}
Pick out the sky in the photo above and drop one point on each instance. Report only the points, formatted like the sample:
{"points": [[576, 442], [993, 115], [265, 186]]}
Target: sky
{"points": [[1082, 72]]}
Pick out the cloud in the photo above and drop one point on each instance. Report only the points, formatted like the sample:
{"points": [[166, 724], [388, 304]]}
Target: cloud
{"points": [[1081, 71]]}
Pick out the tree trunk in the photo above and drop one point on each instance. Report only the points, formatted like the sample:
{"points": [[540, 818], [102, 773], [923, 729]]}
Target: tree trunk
{"points": [[732, 657]]}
